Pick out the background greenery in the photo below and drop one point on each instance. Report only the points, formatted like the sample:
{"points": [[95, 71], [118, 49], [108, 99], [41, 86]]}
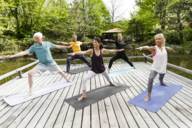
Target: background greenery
{"points": [[57, 19]]}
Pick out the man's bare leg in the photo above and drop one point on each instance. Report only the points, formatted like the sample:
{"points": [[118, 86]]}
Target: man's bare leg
{"points": [[64, 76], [30, 80]]}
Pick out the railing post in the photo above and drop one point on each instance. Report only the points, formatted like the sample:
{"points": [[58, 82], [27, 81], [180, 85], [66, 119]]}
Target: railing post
{"points": [[145, 59], [20, 74]]}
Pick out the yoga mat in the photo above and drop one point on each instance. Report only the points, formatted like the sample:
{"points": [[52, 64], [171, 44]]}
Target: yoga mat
{"points": [[95, 95], [18, 98], [79, 70], [160, 95]]}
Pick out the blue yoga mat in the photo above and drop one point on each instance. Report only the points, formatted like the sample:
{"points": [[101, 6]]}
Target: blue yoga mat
{"points": [[160, 95]]}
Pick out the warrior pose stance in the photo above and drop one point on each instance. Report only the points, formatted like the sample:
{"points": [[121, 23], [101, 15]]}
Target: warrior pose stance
{"points": [[76, 47], [119, 55], [97, 65], [159, 65], [42, 50]]}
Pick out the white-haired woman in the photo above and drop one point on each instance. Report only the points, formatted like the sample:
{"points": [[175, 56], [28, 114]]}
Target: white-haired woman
{"points": [[159, 65]]}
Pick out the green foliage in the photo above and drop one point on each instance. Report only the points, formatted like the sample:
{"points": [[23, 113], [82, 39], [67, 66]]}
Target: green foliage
{"points": [[172, 17], [57, 19], [172, 37], [187, 32], [8, 45]]}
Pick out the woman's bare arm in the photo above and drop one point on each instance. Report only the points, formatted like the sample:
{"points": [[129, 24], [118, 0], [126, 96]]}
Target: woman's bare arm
{"points": [[20, 54], [170, 49], [149, 48], [89, 51], [62, 46], [112, 50]]}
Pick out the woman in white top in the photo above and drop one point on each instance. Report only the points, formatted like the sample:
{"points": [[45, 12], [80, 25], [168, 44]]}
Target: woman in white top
{"points": [[159, 65]]}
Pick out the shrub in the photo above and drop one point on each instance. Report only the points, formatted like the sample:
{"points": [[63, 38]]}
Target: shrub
{"points": [[172, 37]]}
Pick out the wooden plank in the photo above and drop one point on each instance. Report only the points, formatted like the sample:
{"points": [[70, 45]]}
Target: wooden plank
{"points": [[104, 122], [77, 122], [142, 112], [118, 112], [58, 123], [55, 111], [113, 123], [30, 112], [20, 110], [12, 110], [127, 113], [136, 115], [51, 111], [95, 121], [71, 112], [40, 118], [86, 121]]}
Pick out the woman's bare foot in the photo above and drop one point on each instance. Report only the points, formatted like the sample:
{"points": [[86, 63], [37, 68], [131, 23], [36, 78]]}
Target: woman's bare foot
{"points": [[147, 98], [82, 97]]}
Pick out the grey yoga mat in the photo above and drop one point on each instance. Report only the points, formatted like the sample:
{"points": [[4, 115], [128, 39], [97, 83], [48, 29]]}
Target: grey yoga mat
{"points": [[95, 95]]}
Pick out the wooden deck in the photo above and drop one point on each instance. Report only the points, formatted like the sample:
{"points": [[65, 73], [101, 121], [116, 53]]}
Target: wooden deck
{"points": [[50, 111]]}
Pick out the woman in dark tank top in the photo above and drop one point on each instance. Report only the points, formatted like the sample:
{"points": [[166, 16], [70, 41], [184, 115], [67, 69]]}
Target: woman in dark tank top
{"points": [[97, 63]]}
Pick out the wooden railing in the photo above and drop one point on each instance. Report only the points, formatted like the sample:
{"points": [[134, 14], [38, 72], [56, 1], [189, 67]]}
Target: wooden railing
{"points": [[17, 71], [146, 59]]}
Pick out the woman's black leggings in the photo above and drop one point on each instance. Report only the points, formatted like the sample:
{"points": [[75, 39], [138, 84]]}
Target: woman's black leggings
{"points": [[119, 56], [80, 57]]}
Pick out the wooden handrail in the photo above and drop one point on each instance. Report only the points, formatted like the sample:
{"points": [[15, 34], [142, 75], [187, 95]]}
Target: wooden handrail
{"points": [[19, 70], [131, 57], [145, 57]]}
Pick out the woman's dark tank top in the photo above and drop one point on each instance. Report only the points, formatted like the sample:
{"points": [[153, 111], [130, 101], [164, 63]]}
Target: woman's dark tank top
{"points": [[97, 63]]}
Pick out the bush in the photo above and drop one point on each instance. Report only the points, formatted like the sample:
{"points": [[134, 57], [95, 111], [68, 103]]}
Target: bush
{"points": [[187, 33], [24, 43], [172, 37], [8, 45]]}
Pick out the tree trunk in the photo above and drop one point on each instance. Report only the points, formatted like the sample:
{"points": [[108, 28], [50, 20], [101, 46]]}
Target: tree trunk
{"points": [[180, 26]]}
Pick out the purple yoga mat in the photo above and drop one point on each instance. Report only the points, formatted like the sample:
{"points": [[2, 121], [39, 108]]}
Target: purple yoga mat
{"points": [[160, 95]]}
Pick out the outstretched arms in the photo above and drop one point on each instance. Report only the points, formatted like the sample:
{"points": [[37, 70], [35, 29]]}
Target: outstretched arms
{"points": [[170, 49], [146, 48], [112, 50], [61, 46], [89, 51], [20, 54]]}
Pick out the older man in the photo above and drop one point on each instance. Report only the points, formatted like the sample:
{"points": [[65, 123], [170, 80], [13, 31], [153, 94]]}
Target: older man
{"points": [[42, 50]]}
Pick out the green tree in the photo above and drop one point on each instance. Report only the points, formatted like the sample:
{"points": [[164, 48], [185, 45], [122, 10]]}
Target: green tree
{"points": [[178, 10]]}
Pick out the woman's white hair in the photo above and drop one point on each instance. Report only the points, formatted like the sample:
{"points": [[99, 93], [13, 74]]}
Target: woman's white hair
{"points": [[161, 35], [38, 34]]}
